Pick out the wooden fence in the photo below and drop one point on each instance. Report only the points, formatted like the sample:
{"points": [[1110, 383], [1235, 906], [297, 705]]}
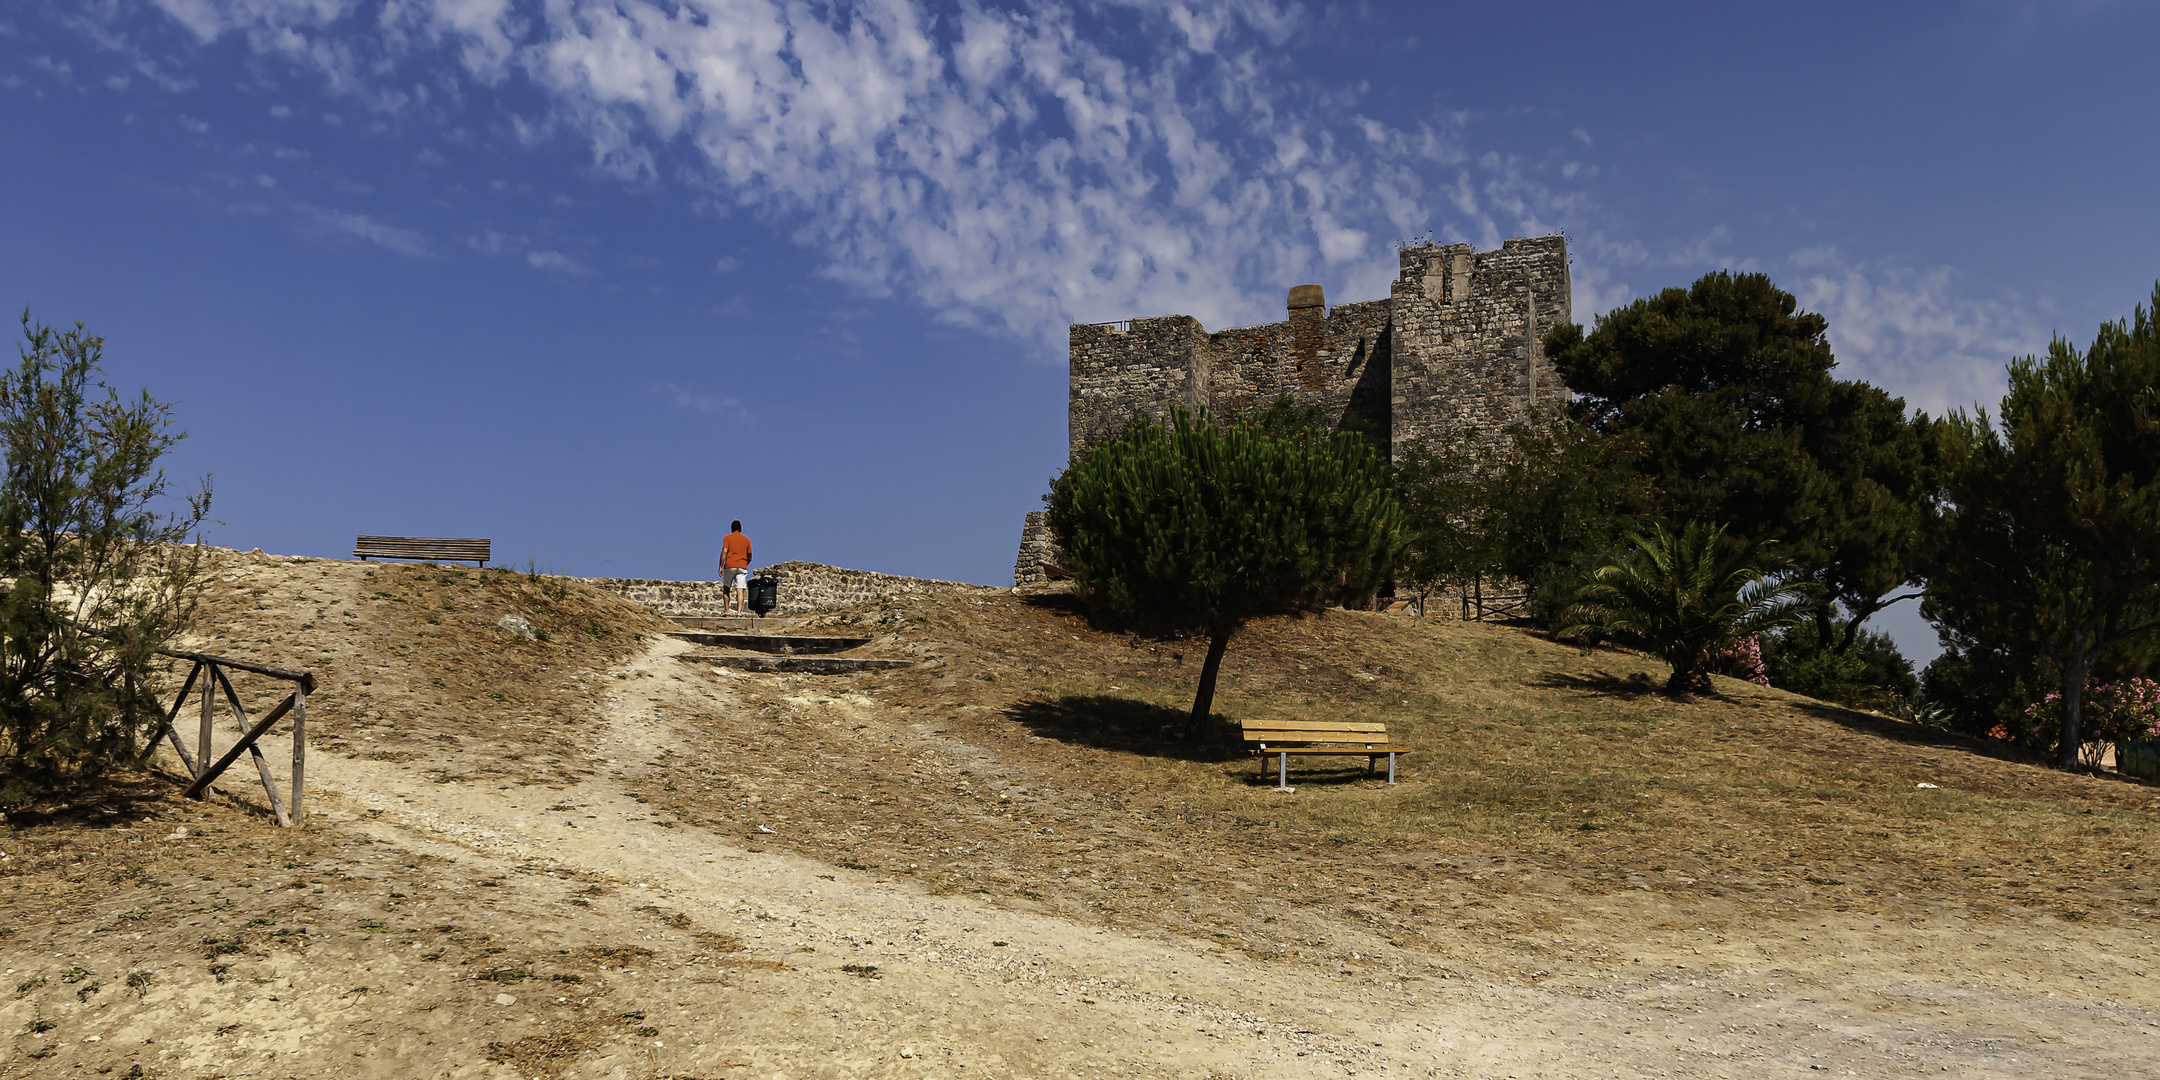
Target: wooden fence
{"points": [[210, 671], [1476, 605]]}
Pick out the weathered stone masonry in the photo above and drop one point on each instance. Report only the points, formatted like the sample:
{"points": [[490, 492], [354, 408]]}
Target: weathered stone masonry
{"points": [[804, 587], [1457, 347], [1456, 350]]}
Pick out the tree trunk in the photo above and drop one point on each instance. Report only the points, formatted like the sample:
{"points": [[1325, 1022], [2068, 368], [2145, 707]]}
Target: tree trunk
{"points": [[1826, 632], [1204, 701], [2074, 669], [1688, 676]]}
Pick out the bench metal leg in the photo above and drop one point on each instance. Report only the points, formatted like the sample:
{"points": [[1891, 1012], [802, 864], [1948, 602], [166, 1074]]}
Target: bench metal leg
{"points": [[1391, 768], [1282, 771]]}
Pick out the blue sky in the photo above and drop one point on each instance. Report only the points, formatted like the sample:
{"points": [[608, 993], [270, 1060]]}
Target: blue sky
{"points": [[592, 278]]}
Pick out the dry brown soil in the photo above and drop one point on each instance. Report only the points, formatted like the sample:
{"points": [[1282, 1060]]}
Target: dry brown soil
{"points": [[592, 856]]}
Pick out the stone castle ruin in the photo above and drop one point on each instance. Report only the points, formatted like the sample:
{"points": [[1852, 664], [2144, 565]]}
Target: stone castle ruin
{"points": [[1455, 350]]}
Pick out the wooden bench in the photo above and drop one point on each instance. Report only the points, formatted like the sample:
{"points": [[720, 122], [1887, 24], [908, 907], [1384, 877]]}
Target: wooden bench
{"points": [[1285, 739], [433, 549]]}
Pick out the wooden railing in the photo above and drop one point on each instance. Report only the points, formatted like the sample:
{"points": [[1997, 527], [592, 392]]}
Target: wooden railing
{"points": [[1476, 605], [211, 671]]}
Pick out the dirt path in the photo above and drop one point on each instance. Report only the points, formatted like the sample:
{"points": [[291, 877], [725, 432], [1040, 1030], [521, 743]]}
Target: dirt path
{"points": [[948, 986]]}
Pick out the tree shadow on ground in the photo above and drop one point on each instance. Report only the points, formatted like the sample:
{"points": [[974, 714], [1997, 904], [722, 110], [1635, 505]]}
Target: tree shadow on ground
{"points": [[1104, 722], [1634, 686], [1059, 602], [119, 798], [1312, 772], [1884, 727]]}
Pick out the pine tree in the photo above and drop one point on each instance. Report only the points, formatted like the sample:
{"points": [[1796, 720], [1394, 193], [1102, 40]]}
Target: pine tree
{"points": [[1199, 527], [1726, 388], [99, 580], [2052, 519]]}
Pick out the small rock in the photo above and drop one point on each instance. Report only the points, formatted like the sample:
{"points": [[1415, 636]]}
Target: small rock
{"points": [[1929, 787], [907, 1051], [505, 999], [178, 834], [763, 829], [518, 625]]}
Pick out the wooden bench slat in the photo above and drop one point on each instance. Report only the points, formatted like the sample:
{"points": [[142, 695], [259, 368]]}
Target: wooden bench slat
{"points": [[1313, 725], [422, 547], [1297, 738]]}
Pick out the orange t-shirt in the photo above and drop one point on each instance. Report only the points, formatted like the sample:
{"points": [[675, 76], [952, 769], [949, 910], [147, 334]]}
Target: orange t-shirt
{"points": [[735, 552]]}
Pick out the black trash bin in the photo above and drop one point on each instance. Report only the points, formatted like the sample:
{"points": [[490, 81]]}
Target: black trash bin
{"points": [[764, 594]]}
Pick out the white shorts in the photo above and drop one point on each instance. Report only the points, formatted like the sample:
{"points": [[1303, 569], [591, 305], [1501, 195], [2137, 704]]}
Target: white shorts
{"points": [[738, 578]]}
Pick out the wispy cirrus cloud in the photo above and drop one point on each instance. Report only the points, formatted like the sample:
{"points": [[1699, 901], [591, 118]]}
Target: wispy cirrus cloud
{"points": [[993, 162], [1913, 332], [1000, 165], [703, 402], [395, 238]]}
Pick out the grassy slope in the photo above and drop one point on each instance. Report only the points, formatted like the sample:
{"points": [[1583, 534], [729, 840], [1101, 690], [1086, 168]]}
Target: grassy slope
{"points": [[1753, 805], [1028, 760]]}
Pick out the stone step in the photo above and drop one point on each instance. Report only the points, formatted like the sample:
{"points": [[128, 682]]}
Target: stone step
{"points": [[807, 665], [749, 623], [771, 643]]}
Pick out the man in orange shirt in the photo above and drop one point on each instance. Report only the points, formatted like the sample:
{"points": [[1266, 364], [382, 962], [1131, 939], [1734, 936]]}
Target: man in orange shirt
{"points": [[735, 567]]}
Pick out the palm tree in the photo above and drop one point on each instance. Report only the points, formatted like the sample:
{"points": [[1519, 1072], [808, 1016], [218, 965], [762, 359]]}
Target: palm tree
{"points": [[1686, 600]]}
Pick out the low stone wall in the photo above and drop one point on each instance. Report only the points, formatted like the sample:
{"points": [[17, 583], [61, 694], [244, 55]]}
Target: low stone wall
{"points": [[804, 587], [1038, 551]]}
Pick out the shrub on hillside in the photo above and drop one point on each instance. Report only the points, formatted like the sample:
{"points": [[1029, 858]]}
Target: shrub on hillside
{"points": [[100, 580]]}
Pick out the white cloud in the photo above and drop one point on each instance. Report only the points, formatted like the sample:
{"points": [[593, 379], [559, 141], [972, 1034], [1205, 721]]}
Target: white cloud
{"points": [[995, 163], [1912, 332], [554, 261], [394, 238], [699, 401], [192, 124]]}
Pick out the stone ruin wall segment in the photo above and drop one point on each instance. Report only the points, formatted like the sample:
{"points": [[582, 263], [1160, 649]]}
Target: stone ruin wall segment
{"points": [[1456, 350]]}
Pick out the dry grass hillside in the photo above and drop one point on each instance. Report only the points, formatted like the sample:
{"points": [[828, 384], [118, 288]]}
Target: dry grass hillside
{"points": [[587, 854]]}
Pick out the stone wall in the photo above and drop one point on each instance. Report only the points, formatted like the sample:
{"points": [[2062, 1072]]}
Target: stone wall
{"points": [[1038, 551], [804, 587], [1139, 367], [1469, 330], [1456, 350], [1338, 360]]}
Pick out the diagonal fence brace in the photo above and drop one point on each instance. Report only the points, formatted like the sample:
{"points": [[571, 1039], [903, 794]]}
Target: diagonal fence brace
{"points": [[247, 743]]}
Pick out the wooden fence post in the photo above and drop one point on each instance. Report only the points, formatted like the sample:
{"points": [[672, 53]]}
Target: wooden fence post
{"points": [[299, 751], [209, 711]]}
